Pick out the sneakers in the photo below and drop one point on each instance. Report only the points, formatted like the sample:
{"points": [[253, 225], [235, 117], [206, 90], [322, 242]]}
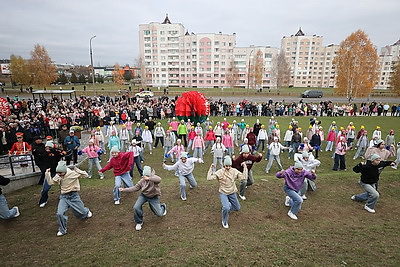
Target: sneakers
{"points": [[287, 203], [369, 209], [394, 167], [138, 226], [17, 213], [102, 177], [304, 197], [266, 172], [183, 198], [89, 214], [226, 226], [353, 197], [242, 197], [60, 234], [291, 215], [165, 210], [151, 153], [116, 202], [90, 177], [43, 204]]}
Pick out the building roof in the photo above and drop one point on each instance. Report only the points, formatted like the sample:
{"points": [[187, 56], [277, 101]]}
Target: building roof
{"points": [[166, 20], [397, 43], [299, 32]]}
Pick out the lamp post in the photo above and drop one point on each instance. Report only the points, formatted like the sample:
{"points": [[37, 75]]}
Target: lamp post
{"points": [[91, 62], [248, 72]]}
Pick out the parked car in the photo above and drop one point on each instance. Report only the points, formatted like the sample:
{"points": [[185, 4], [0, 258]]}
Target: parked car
{"points": [[144, 94], [312, 94]]}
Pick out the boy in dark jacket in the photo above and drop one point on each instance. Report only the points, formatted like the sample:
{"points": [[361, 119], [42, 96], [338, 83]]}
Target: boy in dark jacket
{"points": [[370, 172]]}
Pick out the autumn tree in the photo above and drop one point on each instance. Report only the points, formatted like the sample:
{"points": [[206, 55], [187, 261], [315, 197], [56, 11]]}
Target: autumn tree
{"points": [[43, 71], [232, 77], [280, 74], [117, 75], [356, 65], [395, 77], [20, 70], [258, 69]]}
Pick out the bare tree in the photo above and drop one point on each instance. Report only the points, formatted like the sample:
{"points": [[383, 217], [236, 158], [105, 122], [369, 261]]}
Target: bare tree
{"points": [[232, 77], [395, 77], [142, 75], [280, 73]]}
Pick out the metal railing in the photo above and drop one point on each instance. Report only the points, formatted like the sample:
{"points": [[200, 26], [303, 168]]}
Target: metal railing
{"points": [[11, 161]]}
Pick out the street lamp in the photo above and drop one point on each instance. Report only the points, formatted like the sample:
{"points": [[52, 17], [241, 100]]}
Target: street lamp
{"points": [[91, 62], [248, 72]]}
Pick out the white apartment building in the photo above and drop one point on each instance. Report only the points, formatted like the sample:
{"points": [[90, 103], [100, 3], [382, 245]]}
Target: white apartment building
{"points": [[175, 57], [390, 54], [310, 62]]}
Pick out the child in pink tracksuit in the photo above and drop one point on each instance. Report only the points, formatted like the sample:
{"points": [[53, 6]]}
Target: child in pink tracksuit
{"points": [[198, 146], [191, 136], [227, 141]]}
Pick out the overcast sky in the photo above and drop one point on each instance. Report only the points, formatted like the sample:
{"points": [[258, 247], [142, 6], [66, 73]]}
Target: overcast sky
{"points": [[65, 27]]}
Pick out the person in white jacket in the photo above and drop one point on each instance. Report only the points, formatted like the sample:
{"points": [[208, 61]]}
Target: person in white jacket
{"points": [[309, 164], [110, 129], [218, 149], [288, 136], [261, 137], [159, 134], [147, 139], [124, 138], [184, 168], [275, 149]]}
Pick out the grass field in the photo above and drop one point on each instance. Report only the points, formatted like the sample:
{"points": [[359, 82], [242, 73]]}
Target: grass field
{"points": [[332, 230]]}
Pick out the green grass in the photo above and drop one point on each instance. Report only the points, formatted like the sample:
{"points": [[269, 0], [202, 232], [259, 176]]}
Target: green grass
{"points": [[332, 230]]}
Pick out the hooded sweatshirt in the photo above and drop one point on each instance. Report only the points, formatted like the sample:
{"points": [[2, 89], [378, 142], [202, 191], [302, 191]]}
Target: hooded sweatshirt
{"points": [[150, 188], [295, 180]]}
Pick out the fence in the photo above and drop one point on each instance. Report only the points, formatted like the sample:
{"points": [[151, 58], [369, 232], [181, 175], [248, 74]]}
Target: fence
{"points": [[11, 163]]}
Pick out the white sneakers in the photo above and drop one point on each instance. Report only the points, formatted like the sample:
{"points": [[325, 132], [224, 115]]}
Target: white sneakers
{"points": [[353, 197], [369, 209], [165, 211], [89, 214], [291, 215], [183, 198], [17, 213], [116, 202], [226, 226], [138, 226], [242, 197], [102, 177], [60, 234], [43, 204], [304, 197], [287, 204]]}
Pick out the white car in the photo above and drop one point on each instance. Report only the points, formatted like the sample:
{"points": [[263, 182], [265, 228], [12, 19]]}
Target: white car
{"points": [[144, 94]]}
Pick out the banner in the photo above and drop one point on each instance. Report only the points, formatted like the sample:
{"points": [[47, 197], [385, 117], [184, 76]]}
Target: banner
{"points": [[5, 69], [4, 107]]}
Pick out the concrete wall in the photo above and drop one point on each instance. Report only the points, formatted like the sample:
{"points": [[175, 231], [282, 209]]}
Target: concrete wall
{"points": [[21, 181]]}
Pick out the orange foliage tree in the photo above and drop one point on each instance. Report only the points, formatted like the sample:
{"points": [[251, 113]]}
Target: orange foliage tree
{"points": [[42, 69], [117, 75], [356, 66], [258, 69]]}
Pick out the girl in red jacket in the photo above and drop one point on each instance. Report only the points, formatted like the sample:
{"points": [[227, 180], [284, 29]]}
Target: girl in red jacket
{"points": [[121, 163]]}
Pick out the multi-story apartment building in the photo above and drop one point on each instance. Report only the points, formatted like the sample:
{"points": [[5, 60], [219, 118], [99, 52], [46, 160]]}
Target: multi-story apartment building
{"points": [[174, 57], [390, 54], [310, 62]]}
